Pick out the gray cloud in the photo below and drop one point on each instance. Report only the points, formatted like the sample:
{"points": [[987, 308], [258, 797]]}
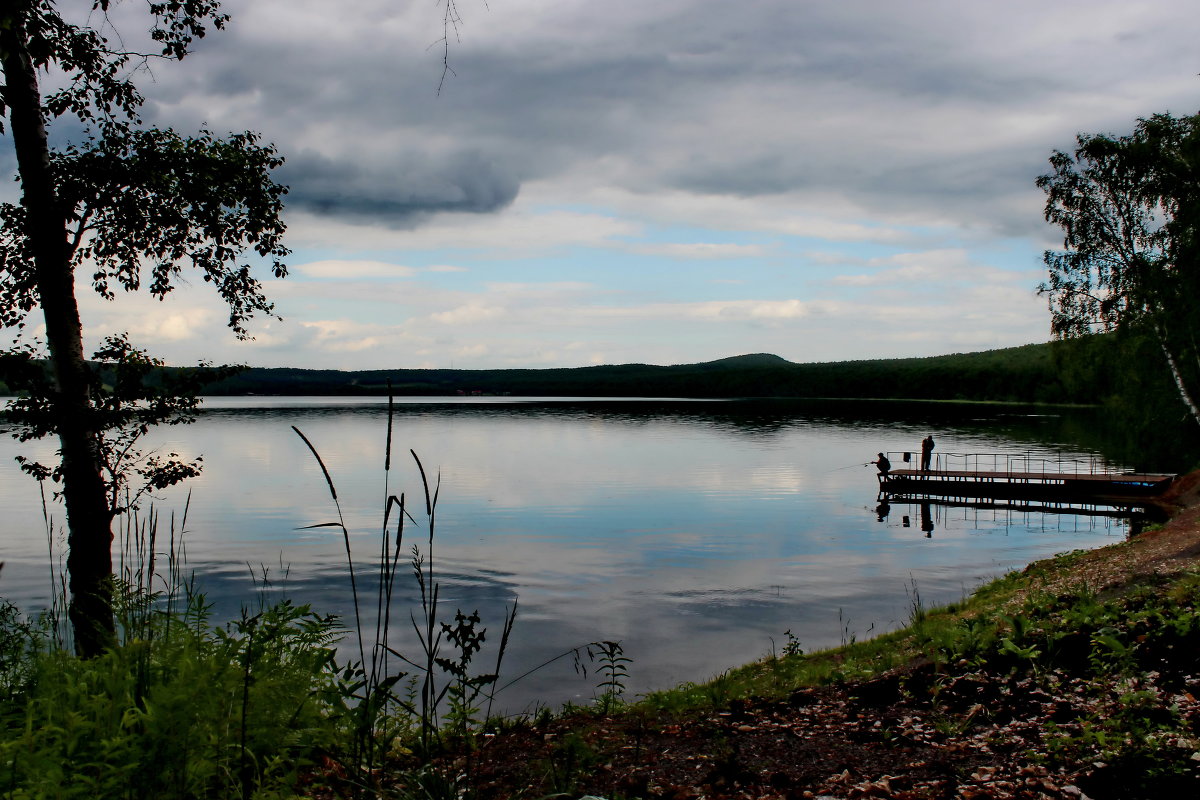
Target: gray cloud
{"points": [[396, 193], [947, 111]]}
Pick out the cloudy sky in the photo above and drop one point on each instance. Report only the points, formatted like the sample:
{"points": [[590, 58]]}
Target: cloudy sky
{"points": [[614, 181]]}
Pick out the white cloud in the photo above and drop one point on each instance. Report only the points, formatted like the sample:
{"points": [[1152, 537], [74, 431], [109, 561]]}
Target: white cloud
{"points": [[932, 269], [700, 250], [353, 270], [468, 315], [754, 309], [822, 216]]}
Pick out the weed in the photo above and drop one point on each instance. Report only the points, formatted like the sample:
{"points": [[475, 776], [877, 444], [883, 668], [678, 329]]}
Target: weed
{"points": [[916, 608], [720, 690], [792, 648], [1110, 654], [20, 641], [240, 710], [848, 636], [613, 669]]}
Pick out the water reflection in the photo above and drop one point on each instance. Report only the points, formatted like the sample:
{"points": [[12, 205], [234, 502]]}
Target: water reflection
{"points": [[926, 520], [932, 514], [694, 532]]}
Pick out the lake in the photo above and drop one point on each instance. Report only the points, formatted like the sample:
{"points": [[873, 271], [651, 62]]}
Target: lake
{"points": [[694, 532]]}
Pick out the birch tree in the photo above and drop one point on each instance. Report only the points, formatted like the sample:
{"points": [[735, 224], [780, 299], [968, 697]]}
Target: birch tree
{"points": [[129, 206], [1129, 208]]}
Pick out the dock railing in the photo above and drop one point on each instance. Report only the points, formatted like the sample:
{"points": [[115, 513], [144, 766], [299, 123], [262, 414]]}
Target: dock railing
{"points": [[1028, 462]]}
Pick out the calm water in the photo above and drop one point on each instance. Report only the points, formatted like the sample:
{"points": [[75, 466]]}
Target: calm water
{"points": [[694, 532]]}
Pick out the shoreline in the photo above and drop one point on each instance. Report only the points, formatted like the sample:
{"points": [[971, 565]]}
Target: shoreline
{"points": [[1071, 678]]}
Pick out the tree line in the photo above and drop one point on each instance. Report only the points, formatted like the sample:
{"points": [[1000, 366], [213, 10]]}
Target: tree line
{"points": [[1054, 372]]}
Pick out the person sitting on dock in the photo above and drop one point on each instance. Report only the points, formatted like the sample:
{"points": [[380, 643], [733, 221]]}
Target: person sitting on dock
{"points": [[926, 452], [884, 465]]}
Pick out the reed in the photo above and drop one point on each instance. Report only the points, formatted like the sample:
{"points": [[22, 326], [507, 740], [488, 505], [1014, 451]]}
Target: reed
{"points": [[444, 689]]}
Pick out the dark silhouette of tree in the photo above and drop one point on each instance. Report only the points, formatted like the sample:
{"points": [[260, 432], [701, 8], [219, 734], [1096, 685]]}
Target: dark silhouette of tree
{"points": [[128, 204], [1129, 207]]}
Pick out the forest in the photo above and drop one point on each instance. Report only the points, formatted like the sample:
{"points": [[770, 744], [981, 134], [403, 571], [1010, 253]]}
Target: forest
{"points": [[1074, 372]]}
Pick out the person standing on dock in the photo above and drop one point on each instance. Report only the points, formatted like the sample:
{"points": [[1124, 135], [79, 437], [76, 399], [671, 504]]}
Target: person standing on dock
{"points": [[884, 465], [926, 452]]}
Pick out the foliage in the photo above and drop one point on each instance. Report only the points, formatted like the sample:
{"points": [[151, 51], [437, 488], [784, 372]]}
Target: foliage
{"points": [[130, 196], [181, 708], [382, 704], [159, 199], [462, 689], [1129, 207], [571, 757], [131, 392], [793, 646], [20, 641], [189, 711]]}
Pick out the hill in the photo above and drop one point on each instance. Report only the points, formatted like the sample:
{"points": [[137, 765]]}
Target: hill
{"points": [[1031, 373]]}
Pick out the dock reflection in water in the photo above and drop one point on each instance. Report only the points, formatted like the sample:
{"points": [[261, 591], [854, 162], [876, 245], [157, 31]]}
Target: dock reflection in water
{"points": [[931, 514]]}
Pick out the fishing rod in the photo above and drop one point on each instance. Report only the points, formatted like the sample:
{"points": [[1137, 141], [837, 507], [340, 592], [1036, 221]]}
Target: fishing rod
{"points": [[850, 466]]}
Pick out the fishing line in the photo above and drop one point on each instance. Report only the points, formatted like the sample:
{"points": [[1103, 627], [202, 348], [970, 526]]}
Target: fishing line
{"points": [[849, 466]]}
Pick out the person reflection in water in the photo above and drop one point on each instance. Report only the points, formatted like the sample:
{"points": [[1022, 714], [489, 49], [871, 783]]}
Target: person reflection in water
{"points": [[883, 509], [926, 521]]}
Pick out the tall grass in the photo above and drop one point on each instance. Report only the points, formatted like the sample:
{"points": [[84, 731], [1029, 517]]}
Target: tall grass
{"points": [[435, 689]]}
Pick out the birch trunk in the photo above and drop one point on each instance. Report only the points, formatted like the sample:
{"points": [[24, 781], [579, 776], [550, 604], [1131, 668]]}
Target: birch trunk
{"points": [[1184, 394], [89, 520]]}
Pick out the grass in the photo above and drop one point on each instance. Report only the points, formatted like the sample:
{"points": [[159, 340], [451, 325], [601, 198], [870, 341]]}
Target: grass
{"points": [[1100, 688], [983, 626], [1094, 688]]}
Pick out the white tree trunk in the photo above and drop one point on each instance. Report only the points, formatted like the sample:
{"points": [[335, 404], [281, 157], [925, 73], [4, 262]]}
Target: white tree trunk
{"points": [[1183, 392]]}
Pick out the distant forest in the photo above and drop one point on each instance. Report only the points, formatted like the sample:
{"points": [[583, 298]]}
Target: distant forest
{"points": [[1083, 371], [1122, 375]]}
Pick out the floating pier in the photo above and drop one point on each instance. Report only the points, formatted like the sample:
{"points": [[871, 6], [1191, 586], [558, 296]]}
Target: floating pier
{"points": [[1025, 477]]}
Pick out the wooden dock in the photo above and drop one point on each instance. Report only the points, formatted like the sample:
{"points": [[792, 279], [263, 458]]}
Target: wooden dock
{"points": [[1132, 488]]}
